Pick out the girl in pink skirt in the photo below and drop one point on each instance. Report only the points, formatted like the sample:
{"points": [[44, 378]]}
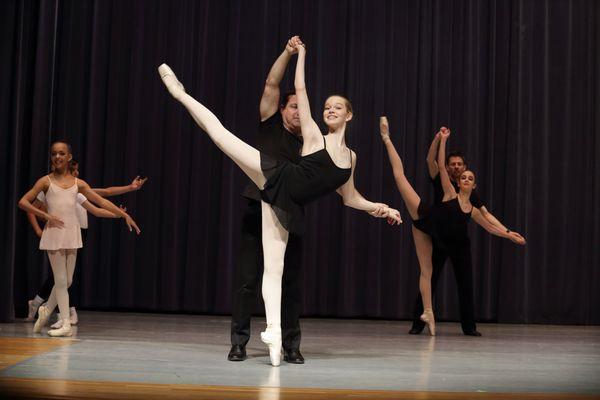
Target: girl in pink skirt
{"points": [[61, 236]]}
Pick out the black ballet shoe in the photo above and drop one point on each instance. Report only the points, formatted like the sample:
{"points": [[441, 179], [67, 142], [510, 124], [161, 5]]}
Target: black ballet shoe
{"points": [[472, 333]]}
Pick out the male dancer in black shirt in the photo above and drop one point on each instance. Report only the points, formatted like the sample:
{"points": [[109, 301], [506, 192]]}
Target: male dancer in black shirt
{"points": [[461, 258], [279, 136]]}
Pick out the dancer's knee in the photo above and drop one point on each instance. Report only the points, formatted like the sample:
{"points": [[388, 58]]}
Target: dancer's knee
{"points": [[61, 281], [426, 274]]}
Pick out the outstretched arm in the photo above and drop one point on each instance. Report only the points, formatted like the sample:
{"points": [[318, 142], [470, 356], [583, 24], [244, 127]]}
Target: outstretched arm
{"points": [[449, 191], [136, 184], [269, 101], [85, 189], [494, 230], [495, 222], [98, 212], [310, 130], [352, 198], [432, 164]]}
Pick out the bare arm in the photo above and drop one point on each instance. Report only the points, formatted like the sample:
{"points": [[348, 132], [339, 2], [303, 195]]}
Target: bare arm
{"points": [[494, 230], [432, 164], [136, 184], [85, 189], [449, 191], [491, 219], [33, 219], [28, 198], [269, 101], [495, 222], [98, 212], [352, 198], [310, 129]]}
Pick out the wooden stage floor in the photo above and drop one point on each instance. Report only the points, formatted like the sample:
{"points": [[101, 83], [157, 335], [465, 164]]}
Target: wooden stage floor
{"points": [[142, 356]]}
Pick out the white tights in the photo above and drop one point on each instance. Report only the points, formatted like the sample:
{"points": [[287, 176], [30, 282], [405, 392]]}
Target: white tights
{"points": [[274, 235], [63, 266]]}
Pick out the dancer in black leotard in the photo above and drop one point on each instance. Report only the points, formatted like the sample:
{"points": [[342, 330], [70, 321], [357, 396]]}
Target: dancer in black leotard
{"points": [[445, 223], [290, 186], [285, 187]]}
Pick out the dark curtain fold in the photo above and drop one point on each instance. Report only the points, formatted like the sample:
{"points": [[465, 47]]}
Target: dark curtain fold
{"points": [[517, 82]]}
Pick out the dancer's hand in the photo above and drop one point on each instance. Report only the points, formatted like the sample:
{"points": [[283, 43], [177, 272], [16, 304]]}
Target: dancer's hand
{"points": [[137, 183], [39, 232], [55, 222], [131, 224], [394, 217], [296, 42], [517, 238], [384, 128], [380, 211], [444, 132], [292, 43]]}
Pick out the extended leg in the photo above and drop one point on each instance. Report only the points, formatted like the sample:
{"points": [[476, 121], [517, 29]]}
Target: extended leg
{"points": [[244, 155]]}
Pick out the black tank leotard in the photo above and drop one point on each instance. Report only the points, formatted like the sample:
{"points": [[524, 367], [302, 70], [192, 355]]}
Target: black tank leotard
{"points": [[290, 186], [446, 223]]}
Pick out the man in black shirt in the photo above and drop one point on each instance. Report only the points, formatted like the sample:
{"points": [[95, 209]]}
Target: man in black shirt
{"points": [[460, 257], [279, 136]]}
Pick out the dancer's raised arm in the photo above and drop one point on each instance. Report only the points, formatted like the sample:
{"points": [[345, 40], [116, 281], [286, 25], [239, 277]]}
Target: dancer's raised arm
{"points": [[310, 130], [432, 165], [269, 101], [449, 190]]}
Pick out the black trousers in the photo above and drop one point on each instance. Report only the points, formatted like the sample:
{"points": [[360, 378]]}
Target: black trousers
{"points": [[460, 256], [247, 282]]}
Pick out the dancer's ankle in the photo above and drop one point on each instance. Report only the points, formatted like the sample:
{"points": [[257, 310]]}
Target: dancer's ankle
{"points": [[273, 329]]}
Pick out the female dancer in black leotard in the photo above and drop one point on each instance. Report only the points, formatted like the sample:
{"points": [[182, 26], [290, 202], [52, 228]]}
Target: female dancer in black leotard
{"points": [[327, 165], [447, 223]]}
